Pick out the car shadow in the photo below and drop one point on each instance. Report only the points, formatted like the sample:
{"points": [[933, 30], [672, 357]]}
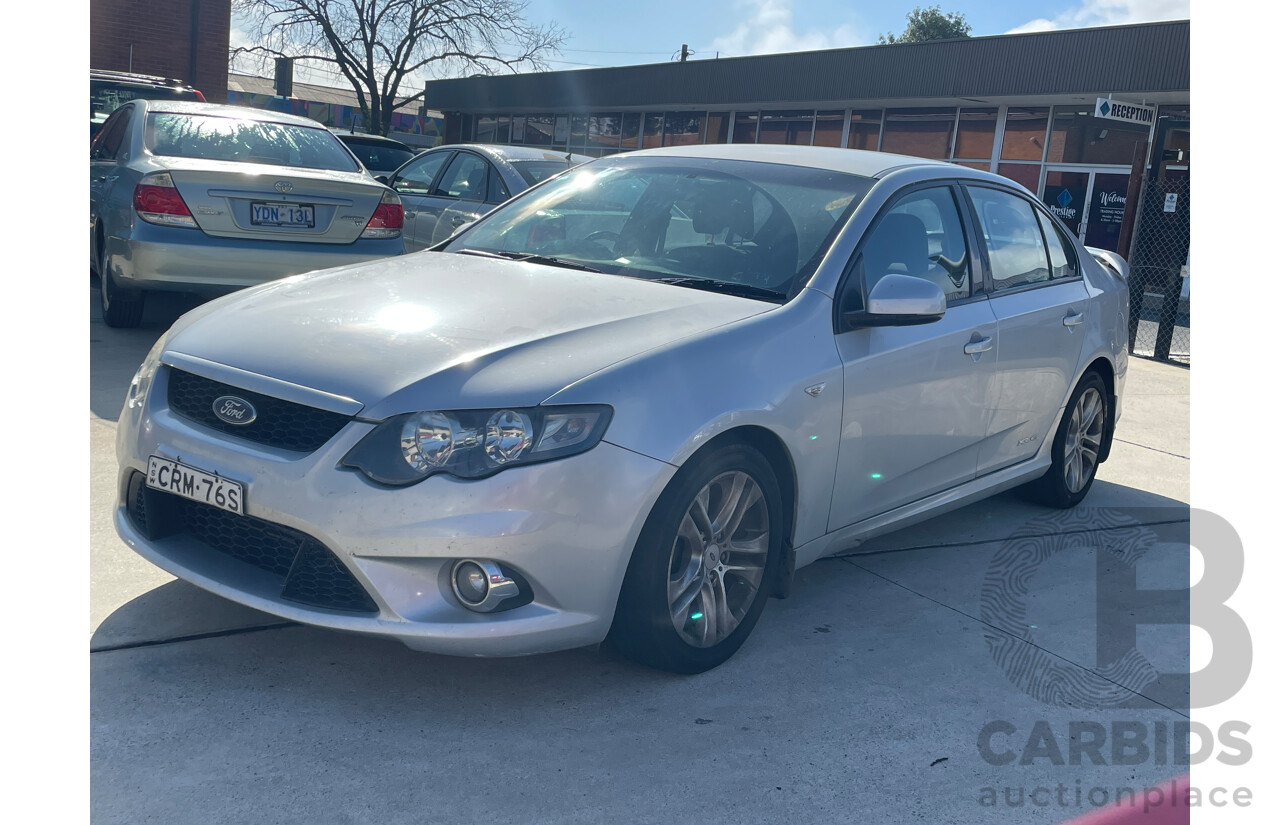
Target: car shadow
{"points": [[114, 354]]}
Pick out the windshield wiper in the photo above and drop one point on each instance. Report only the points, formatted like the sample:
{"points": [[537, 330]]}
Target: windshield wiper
{"points": [[725, 287], [525, 257]]}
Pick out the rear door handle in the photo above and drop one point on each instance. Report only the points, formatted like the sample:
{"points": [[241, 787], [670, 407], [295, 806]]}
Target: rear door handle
{"points": [[459, 220], [1075, 319], [977, 347]]}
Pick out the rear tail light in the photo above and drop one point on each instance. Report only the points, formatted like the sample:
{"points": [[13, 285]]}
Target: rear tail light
{"points": [[156, 200], [199, 96], [388, 218]]}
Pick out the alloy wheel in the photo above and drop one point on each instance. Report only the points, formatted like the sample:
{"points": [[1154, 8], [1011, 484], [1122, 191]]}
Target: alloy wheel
{"points": [[1084, 440]]}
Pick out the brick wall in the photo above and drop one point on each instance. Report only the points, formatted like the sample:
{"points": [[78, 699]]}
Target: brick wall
{"points": [[160, 32]]}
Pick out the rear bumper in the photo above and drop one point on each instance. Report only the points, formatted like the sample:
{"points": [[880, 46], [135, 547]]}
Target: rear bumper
{"points": [[173, 258]]}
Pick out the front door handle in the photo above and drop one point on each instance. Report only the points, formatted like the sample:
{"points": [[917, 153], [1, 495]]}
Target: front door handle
{"points": [[1074, 319], [408, 216], [977, 347], [459, 220]]}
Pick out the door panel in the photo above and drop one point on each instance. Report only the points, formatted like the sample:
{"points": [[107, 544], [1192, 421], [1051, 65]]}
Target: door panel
{"points": [[915, 411], [413, 182]]}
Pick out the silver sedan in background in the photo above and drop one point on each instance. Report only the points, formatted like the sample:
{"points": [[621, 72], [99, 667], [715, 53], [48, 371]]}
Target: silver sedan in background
{"points": [[206, 198], [446, 188], [627, 404]]}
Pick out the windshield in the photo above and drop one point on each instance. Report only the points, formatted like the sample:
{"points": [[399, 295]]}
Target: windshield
{"points": [[210, 137], [741, 227]]}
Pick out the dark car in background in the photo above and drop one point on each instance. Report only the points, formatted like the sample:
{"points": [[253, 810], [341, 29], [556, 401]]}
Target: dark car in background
{"points": [[109, 91], [446, 188], [380, 155]]}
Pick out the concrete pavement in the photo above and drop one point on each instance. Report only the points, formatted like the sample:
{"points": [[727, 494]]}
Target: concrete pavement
{"points": [[861, 698]]}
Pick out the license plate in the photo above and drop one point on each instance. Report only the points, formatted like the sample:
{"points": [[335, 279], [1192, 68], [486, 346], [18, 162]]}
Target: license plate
{"points": [[172, 477], [282, 214]]}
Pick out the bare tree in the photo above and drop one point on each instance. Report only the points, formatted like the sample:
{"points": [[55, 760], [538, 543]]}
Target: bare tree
{"points": [[377, 44]]}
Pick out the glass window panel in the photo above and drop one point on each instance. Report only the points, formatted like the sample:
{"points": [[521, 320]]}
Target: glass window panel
{"points": [[793, 128], [718, 127], [517, 128], [652, 131], [977, 133], [683, 128], [1024, 130], [1060, 257], [744, 127], [1079, 137], [631, 130], [578, 132], [603, 131], [922, 236], [829, 128], [1012, 234], [538, 129], [561, 135], [486, 127], [864, 129], [1027, 174], [466, 178], [922, 133]]}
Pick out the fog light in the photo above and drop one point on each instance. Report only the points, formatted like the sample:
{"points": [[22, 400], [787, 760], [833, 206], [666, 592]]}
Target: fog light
{"points": [[482, 585]]}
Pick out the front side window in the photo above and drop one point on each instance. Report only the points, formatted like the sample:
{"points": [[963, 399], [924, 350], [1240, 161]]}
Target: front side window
{"points": [[752, 229], [1012, 235], [416, 179], [243, 140], [920, 235]]}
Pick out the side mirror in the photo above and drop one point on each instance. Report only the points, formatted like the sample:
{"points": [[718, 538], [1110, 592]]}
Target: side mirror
{"points": [[900, 301]]}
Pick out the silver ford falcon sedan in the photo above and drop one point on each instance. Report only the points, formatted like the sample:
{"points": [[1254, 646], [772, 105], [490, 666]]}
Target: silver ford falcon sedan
{"points": [[627, 404]]}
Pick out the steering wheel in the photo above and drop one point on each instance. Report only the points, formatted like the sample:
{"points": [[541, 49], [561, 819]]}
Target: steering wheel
{"points": [[603, 235]]}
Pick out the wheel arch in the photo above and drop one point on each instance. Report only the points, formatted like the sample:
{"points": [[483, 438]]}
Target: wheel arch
{"points": [[1102, 366]]}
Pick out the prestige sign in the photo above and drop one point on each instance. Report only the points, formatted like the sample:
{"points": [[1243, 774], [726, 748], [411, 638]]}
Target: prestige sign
{"points": [[1128, 112]]}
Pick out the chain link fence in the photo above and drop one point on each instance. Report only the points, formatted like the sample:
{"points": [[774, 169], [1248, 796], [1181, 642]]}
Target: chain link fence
{"points": [[1159, 279]]}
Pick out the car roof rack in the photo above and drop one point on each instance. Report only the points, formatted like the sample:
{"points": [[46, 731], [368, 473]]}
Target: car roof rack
{"points": [[149, 79]]}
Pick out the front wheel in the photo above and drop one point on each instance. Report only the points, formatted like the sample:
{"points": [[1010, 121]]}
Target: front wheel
{"points": [[701, 571], [1077, 446]]}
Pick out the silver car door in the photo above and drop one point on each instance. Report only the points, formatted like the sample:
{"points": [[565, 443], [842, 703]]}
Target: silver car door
{"points": [[461, 191], [464, 211], [1038, 298], [916, 403], [413, 183], [104, 169]]}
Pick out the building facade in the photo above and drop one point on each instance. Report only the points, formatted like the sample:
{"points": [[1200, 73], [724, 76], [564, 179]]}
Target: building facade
{"points": [[183, 39], [1062, 113]]}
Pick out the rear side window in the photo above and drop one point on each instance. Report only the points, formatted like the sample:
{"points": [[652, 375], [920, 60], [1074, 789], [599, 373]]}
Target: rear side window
{"points": [[466, 178], [920, 235], [106, 146], [497, 189], [536, 171], [417, 177], [1012, 234], [210, 137], [1061, 259]]}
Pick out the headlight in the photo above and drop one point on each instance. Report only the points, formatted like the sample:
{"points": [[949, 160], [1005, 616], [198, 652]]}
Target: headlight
{"points": [[142, 378], [474, 443]]}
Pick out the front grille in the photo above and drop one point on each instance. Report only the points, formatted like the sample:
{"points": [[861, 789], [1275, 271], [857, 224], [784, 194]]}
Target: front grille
{"points": [[309, 572], [280, 423]]}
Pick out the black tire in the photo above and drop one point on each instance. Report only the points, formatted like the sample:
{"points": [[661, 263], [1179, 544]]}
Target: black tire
{"points": [[1058, 488], [121, 308], [644, 627]]}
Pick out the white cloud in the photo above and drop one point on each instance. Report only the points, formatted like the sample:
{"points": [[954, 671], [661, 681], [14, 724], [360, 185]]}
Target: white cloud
{"points": [[767, 28], [1110, 13]]}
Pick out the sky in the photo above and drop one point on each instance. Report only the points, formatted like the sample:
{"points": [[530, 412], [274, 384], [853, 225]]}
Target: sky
{"points": [[652, 31]]}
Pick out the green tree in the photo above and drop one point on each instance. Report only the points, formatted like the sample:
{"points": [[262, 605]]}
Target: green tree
{"points": [[930, 23]]}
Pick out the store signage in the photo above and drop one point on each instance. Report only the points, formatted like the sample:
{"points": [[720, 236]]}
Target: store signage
{"points": [[1129, 112], [1171, 205]]}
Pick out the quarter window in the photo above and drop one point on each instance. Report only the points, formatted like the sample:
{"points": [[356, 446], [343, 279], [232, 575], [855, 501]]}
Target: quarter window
{"points": [[1013, 238], [1060, 258], [921, 235]]}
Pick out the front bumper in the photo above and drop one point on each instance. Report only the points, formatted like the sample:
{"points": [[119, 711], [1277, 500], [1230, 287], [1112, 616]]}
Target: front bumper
{"points": [[176, 258], [567, 527]]}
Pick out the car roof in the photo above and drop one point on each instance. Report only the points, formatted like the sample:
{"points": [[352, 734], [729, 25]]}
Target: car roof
{"points": [[517, 153], [852, 161], [190, 107]]}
